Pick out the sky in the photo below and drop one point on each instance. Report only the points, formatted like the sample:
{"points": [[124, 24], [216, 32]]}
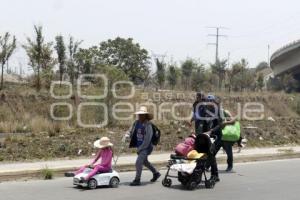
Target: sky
{"points": [[175, 28]]}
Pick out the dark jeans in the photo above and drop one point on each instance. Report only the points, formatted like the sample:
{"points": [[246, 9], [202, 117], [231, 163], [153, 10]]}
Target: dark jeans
{"points": [[201, 126], [227, 146], [213, 164], [142, 160]]}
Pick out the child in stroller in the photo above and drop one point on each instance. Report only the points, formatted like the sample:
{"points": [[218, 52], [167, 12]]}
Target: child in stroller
{"points": [[191, 168]]}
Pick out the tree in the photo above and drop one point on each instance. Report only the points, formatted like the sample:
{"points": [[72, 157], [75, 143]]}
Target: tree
{"points": [[240, 77], [260, 81], [7, 48], [113, 75], [172, 76], [261, 66], [198, 78], [289, 83], [40, 56], [61, 55], [187, 68], [235, 69], [160, 72], [86, 60], [219, 69], [71, 67], [127, 56]]}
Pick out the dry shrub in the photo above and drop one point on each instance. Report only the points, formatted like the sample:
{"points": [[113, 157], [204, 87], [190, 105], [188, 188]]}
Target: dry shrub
{"points": [[40, 124], [11, 127]]}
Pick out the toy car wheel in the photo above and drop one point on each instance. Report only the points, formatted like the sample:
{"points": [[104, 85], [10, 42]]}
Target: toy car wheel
{"points": [[92, 184], [192, 185], [114, 182], [167, 182], [209, 184]]}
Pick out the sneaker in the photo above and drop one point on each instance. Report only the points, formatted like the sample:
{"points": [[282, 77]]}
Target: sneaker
{"points": [[239, 150], [69, 174], [215, 178], [155, 177], [244, 140], [135, 183], [229, 169]]}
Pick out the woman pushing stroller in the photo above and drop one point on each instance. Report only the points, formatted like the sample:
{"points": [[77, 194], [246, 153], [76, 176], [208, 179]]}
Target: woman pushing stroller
{"points": [[224, 127], [190, 160]]}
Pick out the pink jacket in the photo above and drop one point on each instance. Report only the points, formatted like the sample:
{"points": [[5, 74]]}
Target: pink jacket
{"points": [[106, 155]]}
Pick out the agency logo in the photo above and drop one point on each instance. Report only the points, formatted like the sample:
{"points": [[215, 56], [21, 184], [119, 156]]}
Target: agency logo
{"points": [[163, 108]]}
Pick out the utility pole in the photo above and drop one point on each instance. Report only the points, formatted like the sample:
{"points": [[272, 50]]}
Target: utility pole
{"points": [[269, 55], [228, 60], [217, 36]]}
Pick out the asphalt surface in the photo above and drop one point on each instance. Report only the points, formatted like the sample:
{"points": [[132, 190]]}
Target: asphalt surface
{"points": [[276, 180]]}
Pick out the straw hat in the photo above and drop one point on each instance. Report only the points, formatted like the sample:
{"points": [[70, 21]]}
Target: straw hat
{"points": [[194, 154], [144, 111], [102, 143]]}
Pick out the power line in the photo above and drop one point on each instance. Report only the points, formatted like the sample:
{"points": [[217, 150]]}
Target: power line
{"points": [[217, 36]]}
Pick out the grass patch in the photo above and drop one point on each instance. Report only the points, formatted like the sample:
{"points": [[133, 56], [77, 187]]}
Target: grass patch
{"points": [[47, 174]]}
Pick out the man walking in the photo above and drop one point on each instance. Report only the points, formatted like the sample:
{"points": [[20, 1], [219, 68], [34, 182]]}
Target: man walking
{"points": [[199, 114], [141, 138]]}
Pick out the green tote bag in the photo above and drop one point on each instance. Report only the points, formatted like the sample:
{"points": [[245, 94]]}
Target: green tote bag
{"points": [[231, 133]]}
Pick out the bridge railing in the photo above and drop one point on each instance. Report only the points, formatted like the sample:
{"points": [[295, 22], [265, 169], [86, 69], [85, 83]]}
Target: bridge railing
{"points": [[275, 54]]}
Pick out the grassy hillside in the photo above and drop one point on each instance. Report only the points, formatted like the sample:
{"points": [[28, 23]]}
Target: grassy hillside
{"points": [[27, 131]]}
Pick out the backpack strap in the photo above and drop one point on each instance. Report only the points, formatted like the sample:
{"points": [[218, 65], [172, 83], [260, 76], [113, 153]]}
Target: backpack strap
{"points": [[133, 128]]}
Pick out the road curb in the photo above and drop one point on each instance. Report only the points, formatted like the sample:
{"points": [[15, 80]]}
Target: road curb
{"points": [[37, 174]]}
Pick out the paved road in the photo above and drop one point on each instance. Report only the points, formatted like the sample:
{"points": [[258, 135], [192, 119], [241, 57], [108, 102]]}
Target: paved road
{"points": [[276, 180]]}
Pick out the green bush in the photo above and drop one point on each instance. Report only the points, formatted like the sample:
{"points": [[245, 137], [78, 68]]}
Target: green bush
{"points": [[47, 174]]}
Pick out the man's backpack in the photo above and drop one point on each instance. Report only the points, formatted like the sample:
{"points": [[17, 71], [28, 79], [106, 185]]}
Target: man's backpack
{"points": [[156, 135]]}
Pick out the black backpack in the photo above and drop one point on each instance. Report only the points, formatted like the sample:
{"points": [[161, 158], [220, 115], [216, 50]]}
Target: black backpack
{"points": [[156, 135]]}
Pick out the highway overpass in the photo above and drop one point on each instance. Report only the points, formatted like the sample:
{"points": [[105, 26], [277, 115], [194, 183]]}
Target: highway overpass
{"points": [[287, 60]]}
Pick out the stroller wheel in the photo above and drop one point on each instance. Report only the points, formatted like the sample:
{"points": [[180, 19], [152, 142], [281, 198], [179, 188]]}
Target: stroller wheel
{"points": [[167, 182], [182, 179], [209, 184], [192, 185]]}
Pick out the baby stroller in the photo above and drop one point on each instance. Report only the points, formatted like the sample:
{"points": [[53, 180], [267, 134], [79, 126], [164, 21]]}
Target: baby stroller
{"points": [[190, 171]]}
